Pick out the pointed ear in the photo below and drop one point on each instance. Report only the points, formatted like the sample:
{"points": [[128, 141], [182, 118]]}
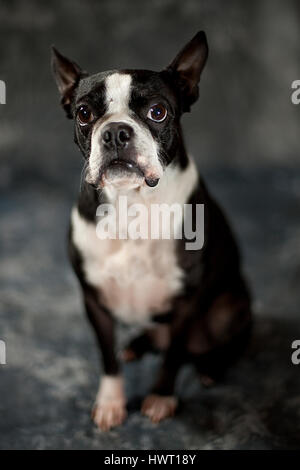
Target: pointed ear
{"points": [[67, 75], [187, 67]]}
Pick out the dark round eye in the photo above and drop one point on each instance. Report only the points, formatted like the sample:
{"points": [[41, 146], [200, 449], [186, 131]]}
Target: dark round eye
{"points": [[157, 113], [84, 115]]}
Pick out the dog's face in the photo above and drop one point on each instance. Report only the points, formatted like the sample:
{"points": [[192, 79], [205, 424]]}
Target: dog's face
{"points": [[127, 122]]}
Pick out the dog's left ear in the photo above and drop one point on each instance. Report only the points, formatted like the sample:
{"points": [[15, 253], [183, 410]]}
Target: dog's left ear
{"points": [[67, 75], [187, 66]]}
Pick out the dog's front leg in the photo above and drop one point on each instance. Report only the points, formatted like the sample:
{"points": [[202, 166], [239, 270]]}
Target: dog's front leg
{"points": [[110, 406], [162, 403]]}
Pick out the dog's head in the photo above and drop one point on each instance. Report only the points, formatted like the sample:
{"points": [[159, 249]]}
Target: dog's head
{"points": [[127, 122]]}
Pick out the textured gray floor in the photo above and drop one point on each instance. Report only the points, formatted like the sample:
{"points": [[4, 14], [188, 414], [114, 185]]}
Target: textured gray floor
{"points": [[245, 137]]}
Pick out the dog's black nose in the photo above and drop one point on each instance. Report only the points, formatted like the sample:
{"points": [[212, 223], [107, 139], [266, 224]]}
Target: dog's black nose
{"points": [[116, 134]]}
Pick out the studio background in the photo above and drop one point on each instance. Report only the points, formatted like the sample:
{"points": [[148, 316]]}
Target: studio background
{"points": [[244, 136]]}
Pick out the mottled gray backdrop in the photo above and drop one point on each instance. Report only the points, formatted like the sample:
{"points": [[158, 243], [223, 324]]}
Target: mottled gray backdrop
{"points": [[244, 134]]}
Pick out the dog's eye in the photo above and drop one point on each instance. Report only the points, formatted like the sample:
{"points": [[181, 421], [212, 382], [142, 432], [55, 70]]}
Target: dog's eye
{"points": [[84, 115], [157, 113]]}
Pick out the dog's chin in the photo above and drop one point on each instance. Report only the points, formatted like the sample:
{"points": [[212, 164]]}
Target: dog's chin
{"points": [[122, 178], [125, 175]]}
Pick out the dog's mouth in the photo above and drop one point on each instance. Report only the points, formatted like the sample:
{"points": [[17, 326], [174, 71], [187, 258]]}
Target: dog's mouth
{"points": [[119, 165], [122, 172]]}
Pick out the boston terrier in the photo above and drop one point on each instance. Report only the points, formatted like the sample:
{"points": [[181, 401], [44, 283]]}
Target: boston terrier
{"points": [[191, 305]]}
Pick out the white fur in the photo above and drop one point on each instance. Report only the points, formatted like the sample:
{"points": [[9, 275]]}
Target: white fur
{"points": [[118, 93], [117, 101], [111, 388], [136, 278], [109, 410]]}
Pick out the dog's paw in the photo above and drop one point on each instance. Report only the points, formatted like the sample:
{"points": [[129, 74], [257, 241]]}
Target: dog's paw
{"points": [[110, 408], [159, 407], [109, 414]]}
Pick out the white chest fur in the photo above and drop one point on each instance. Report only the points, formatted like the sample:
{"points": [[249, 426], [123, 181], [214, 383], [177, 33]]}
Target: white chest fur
{"points": [[136, 278]]}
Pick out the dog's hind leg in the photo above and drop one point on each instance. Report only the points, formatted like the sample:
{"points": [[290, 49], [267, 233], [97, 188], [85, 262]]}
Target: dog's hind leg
{"points": [[219, 338], [213, 365]]}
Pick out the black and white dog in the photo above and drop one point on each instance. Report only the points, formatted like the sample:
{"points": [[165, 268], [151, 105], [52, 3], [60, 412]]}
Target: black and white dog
{"points": [[194, 305]]}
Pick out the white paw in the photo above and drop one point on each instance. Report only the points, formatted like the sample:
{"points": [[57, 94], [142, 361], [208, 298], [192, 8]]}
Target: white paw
{"points": [[159, 407], [109, 414], [110, 408]]}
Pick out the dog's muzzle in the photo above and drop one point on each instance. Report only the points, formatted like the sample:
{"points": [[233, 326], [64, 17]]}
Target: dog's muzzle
{"points": [[117, 140]]}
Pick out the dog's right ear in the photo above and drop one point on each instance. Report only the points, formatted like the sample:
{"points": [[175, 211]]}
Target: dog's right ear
{"points": [[67, 75]]}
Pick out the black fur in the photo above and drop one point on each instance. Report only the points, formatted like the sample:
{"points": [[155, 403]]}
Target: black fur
{"points": [[214, 290]]}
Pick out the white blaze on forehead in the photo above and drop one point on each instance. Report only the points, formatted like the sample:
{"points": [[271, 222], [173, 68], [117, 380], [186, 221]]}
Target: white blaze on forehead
{"points": [[117, 97], [118, 92]]}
